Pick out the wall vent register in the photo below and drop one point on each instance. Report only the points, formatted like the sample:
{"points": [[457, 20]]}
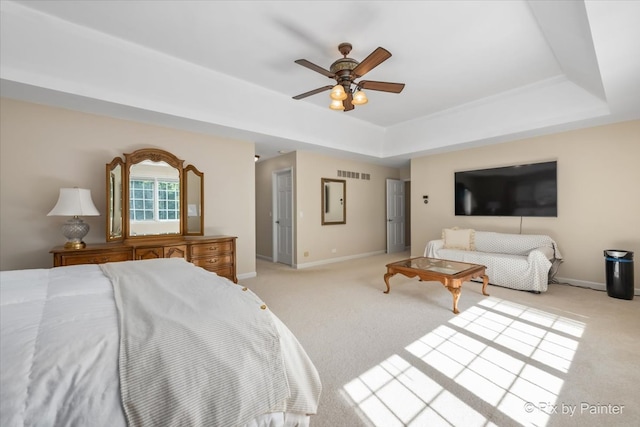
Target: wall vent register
{"points": [[354, 175]]}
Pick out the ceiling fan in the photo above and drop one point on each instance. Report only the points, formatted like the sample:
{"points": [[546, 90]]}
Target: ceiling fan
{"points": [[345, 71]]}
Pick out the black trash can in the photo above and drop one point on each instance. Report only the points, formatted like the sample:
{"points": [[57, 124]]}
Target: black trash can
{"points": [[619, 266]]}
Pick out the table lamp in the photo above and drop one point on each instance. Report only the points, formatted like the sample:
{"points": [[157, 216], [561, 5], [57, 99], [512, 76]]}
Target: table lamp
{"points": [[74, 202]]}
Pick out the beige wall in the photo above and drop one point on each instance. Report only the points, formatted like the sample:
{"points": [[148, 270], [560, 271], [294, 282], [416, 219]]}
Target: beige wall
{"points": [[365, 229], [44, 148], [598, 195], [598, 189]]}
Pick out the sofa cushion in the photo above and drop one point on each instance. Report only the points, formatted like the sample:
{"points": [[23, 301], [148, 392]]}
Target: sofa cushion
{"points": [[456, 238]]}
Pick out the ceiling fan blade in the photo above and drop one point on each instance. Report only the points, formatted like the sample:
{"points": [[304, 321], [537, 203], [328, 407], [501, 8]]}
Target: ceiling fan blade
{"points": [[381, 86], [376, 58], [312, 92], [314, 67], [348, 105]]}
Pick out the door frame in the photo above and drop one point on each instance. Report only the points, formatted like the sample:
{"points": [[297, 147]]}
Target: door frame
{"points": [[274, 214], [406, 205]]}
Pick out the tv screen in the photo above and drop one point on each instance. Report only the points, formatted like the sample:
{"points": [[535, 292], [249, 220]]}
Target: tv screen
{"points": [[522, 190]]}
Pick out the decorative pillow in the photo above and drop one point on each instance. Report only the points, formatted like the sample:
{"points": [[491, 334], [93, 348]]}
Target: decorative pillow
{"points": [[456, 238]]}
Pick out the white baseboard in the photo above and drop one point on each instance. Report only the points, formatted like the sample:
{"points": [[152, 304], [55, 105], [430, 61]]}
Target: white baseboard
{"points": [[247, 275], [340, 259], [589, 285]]}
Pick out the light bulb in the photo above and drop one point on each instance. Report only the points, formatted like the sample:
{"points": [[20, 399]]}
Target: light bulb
{"points": [[338, 93], [359, 98], [336, 105]]}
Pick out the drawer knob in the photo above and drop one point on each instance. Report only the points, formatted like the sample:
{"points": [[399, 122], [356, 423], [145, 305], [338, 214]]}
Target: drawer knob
{"points": [[213, 248], [213, 260]]}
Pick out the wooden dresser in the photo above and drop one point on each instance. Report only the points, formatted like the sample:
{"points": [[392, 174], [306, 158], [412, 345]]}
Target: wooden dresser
{"points": [[213, 253]]}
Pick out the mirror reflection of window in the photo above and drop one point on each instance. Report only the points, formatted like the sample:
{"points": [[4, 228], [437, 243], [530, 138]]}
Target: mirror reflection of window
{"points": [[151, 193], [154, 199]]}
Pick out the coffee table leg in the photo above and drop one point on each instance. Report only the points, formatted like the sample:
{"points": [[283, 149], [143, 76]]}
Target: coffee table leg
{"points": [[456, 296], [485, 282], [386, 281]]}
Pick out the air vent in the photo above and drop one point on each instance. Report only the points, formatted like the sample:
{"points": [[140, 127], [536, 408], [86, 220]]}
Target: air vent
{"points": [[354, 175]]}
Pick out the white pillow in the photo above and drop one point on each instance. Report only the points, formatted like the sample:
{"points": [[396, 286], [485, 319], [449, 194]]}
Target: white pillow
{"points": [[456, 238]]}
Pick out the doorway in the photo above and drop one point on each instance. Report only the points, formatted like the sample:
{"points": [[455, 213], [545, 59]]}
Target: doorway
{"points": [[283, 216], [398, 225]]}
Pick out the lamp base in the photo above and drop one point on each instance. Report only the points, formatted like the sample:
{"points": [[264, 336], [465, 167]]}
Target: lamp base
{"points": [[75, 245], [74, 230]]}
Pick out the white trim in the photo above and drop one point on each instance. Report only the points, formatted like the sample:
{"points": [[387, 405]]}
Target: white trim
{"points": [[333, 260], [590, 285], [247, 275], [264, 257]]}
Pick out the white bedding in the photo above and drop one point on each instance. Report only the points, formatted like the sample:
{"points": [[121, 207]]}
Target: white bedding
{"points": [[59, 351]]}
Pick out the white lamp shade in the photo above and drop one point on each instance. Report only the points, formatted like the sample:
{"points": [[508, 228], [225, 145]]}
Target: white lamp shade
{"points": [[74, 202]]}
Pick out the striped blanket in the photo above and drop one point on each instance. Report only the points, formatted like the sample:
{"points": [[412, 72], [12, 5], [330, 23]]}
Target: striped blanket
{"points": [[196, 349]]}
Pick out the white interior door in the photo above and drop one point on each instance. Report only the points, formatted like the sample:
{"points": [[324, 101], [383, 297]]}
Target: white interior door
{"points": [[395, 215], [283, 217]]}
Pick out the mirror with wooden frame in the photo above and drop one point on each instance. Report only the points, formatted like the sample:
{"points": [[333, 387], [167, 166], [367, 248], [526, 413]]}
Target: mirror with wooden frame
{"points": [[194, 201], [151, 194], [115, 226], [334, 201]]}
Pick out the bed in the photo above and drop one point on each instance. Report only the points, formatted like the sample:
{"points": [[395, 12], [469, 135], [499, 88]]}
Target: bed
{"points": [[146, 343]]}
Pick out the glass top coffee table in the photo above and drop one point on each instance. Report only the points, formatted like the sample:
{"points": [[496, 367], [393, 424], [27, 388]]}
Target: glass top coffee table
{"points": [[450, 273]]}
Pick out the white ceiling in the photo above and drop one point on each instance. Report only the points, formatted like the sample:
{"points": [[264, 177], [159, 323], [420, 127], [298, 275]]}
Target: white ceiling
{"points": [[476, 72]]}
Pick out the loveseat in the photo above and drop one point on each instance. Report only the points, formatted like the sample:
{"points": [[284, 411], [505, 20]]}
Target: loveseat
{"points": [[517, 261]]}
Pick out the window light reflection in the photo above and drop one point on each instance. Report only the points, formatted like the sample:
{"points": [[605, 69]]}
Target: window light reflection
{"points": [[395, 393], [506, 354]]}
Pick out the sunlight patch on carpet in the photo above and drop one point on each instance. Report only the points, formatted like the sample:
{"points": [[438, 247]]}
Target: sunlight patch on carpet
{"points": [[508, 355], [395, 393]]}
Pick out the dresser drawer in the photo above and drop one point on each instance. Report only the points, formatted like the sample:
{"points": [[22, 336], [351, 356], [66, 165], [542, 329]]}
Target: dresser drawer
{"points": [[227, 272], [207, 249], [62, 259], [179, 251], [149, 253], [212, 263], [175, 251]]}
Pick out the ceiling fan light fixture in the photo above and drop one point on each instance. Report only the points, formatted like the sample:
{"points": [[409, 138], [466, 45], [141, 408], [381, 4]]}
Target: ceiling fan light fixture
{"points": [[338, 93], [359, 98], [345, 71], [336, 104]]}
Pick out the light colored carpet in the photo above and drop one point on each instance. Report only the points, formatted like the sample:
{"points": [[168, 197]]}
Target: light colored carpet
{"points": [[566, 357]]}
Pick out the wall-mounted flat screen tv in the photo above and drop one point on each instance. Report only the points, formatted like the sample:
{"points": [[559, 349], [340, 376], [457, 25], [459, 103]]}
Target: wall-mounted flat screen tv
{"points": [[521, 190]]}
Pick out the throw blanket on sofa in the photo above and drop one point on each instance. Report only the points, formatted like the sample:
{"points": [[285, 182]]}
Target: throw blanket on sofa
{"points": [[195, 351], [517, 261]]}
